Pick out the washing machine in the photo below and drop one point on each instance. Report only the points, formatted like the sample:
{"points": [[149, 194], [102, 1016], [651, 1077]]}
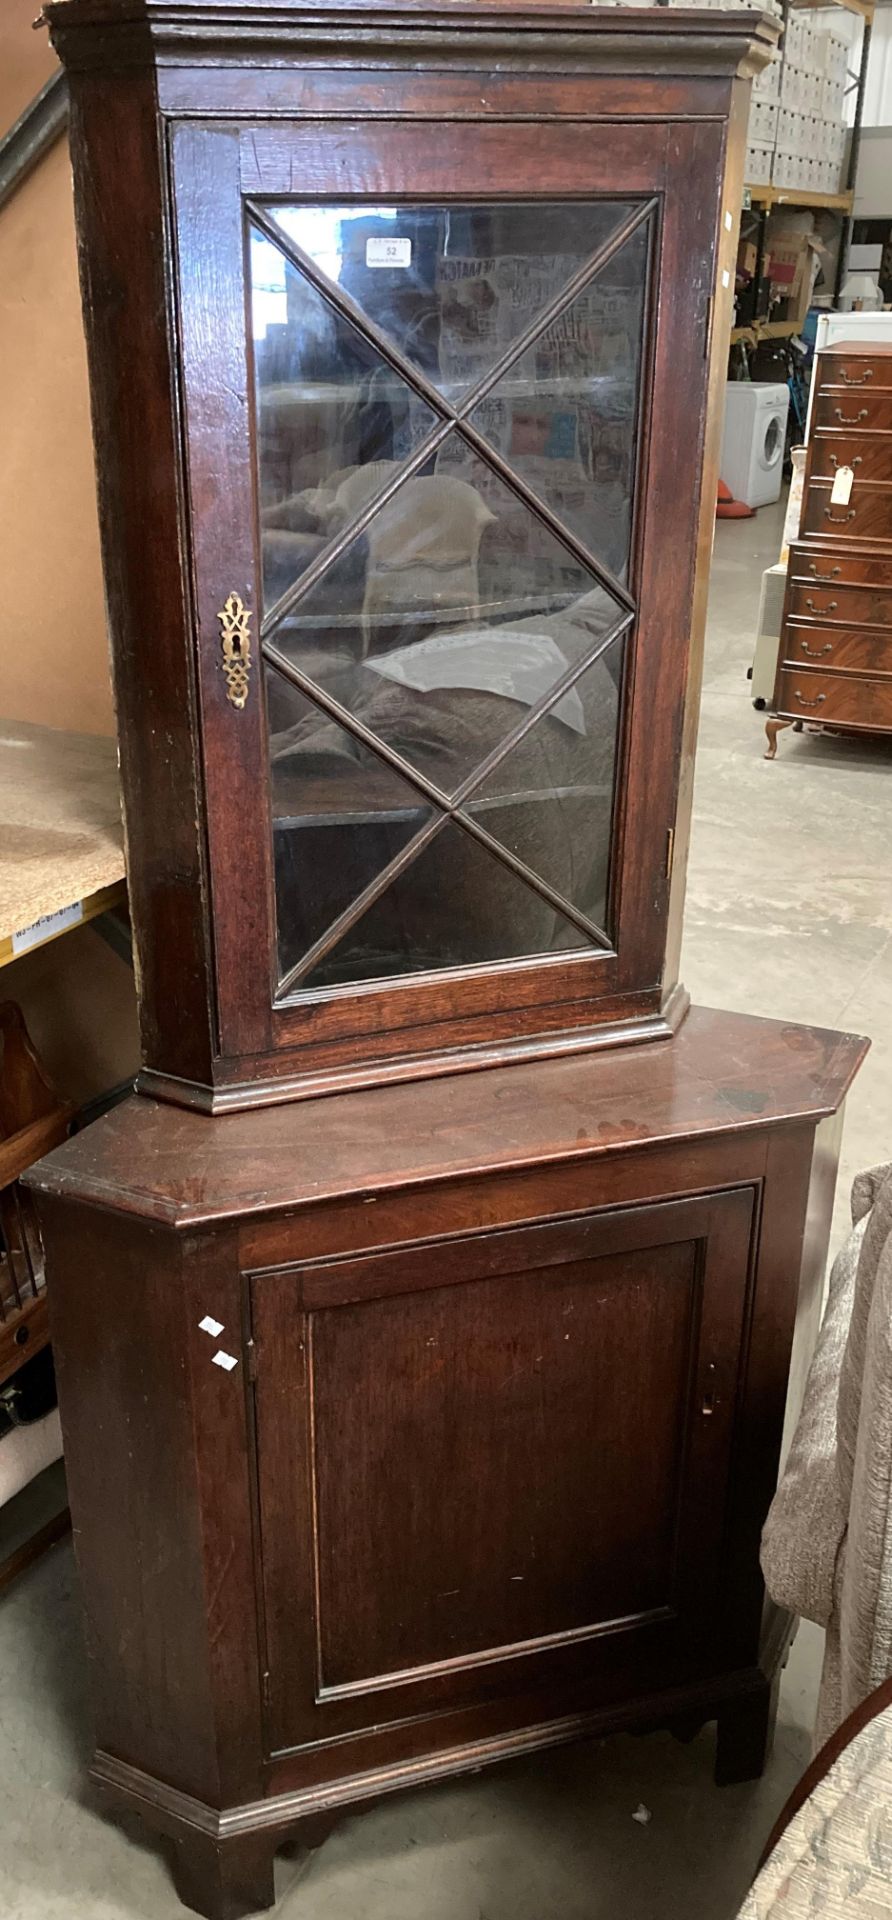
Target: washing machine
{"points": [[752, 462]]}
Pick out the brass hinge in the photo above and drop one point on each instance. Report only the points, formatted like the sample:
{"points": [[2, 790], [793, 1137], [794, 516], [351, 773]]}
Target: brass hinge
{"points": [[251, 1359], [670, 851]]}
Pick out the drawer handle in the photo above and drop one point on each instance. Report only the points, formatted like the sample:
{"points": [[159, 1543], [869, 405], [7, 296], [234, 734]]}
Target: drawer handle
{"points": [[815, 653], [840, 519], [846, 463], [844, 419], [830, 608], [866, 375], [823, 576], [809, 703]]}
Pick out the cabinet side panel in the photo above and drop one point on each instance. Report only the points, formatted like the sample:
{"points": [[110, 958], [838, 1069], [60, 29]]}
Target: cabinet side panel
{"points": [[119, 1341], [725, 208], [122, 245], [792, 1246]]}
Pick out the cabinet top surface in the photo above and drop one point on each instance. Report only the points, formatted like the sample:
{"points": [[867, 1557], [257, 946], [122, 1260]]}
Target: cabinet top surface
{"points": [[723, 1072], [730, 36], [872, 349]]}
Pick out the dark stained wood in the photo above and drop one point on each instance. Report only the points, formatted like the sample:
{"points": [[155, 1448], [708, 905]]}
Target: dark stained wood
{"points": [[596, 1527], [265, 1549], [427, 94], [435, 1420], [116, 146], [723, 1072], [226, 1878], [745, 1733], [735, 44]]}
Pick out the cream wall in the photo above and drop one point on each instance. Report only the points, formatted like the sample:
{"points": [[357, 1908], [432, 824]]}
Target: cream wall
{"points": [[55, 665], [77, 996]]}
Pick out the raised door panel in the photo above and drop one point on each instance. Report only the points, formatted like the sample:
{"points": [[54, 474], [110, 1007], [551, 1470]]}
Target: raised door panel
{"points": [[429, 438], [483, 1462]]}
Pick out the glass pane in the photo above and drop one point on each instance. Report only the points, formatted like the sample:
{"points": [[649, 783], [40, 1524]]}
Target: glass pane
{"points": [[453, 287], [564, 416], [339, 817], [550, 801], [456, 905], [333, 420], [454, 613]]}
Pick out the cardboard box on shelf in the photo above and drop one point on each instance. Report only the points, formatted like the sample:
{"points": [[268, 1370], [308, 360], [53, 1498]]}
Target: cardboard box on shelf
{"points": [[762, 126], [758, 163], [766, 85], [747, 256]]}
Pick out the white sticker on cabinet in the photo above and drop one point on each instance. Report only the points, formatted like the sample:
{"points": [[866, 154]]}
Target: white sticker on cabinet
{"points": [[225, 1360], [383, 252], [211, 1326]]}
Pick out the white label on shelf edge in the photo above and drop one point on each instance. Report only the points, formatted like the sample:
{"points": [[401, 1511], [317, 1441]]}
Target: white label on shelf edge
{"points": [[383, 252], [48, 925], [841, 491], [726, 278], [729, 221]]}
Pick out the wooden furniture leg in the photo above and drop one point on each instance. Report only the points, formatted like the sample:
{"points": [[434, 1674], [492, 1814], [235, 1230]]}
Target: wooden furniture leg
{"points": [[745, 1734], [225, 1879], [772, 728]]}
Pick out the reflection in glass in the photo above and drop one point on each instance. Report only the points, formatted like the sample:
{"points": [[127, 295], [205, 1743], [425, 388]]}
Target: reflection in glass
{"points": [[550, 801], [565, 415], [340, 815], [456, 630], [449, 618], [455, 906], [453, 287], [333, 420]]}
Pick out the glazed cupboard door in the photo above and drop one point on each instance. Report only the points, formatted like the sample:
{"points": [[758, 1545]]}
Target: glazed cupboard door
{"points": [[494, 1463], [443, 566]]}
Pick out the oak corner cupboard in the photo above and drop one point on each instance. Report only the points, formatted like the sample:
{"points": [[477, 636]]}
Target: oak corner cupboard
{"points": [[417, 1416], [400, 325]]}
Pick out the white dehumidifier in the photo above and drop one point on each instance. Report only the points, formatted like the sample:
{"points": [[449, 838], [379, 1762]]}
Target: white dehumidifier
{"points": [[752, 462]]}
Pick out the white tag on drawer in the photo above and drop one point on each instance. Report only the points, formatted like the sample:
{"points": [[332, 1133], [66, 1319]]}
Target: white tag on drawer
{"points": [[841, 491]]}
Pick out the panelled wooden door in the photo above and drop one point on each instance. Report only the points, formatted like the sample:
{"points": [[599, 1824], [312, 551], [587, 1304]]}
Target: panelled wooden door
{"points": [[505, 1451], [433, 783]]}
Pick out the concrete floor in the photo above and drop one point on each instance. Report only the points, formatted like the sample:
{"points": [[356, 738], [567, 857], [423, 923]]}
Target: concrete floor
{"points": [[789, 914]]}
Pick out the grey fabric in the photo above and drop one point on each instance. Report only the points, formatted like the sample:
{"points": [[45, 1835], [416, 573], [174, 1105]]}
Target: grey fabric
{"points": [[835, 1857], [827, 1543]]}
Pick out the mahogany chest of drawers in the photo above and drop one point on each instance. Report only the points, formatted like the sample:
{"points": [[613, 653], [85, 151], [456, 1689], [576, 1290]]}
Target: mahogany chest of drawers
{"points": [[835, 658]]}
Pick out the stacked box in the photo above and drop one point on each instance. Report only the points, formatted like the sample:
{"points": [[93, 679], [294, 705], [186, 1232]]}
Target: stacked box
{"points": [[806, 131], [759, 157]]}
